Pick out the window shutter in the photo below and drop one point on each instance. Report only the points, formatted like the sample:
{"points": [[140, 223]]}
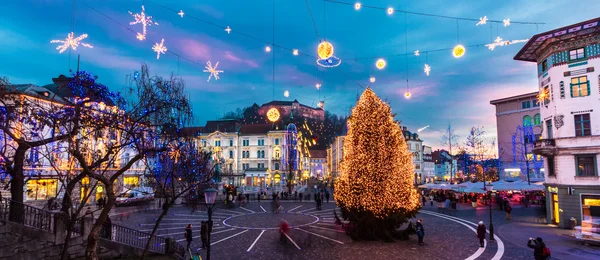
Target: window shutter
{"points": [[588, 88], [562, 89]]}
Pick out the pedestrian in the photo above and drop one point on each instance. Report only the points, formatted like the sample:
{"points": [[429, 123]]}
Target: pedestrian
{"points": [[258, 196], [295, 195], [481, 233], [318, 201], [420, 231], [508, 210], [284, 228], [431, 200], [327, 196], [204, 233], [540, 251], [188, 235], [300, 194], [247, 197], [423, 200]]}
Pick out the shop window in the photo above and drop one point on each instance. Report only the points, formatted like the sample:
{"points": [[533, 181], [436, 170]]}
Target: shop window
{"points": [[583, 125], [586, 165], [131, 181], [41, 189], [590, 209]]}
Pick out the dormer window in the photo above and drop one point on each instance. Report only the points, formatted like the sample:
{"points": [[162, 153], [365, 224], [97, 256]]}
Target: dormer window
{"points": [[577, 54], [544, 65]]}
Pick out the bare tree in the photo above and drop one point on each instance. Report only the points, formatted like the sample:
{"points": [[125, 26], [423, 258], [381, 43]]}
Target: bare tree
{"points": [[450, 139], [481, 151]]}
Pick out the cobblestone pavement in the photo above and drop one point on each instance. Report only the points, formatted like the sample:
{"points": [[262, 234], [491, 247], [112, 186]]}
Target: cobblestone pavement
{"points": [[251, 232]]}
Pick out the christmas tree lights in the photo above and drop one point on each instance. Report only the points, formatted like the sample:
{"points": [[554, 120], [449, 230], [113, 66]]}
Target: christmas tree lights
{"points": [[375, 189], [72, 42]]}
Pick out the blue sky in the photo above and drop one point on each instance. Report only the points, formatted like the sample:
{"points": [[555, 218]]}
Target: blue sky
{"points": [[458, 90]]}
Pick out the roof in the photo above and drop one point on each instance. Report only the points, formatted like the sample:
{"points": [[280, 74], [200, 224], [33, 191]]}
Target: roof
{"points": [[318, 153], [530, 52], [414, 136], [224, 125], [288, 103], [191, 131], [512, 98], [255, 129]]}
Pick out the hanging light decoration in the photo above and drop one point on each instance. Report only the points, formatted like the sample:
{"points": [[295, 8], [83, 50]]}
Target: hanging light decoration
{"points": [[407, 94], [295, 52], [268, 49], [380, 63], [357, 6], [286, 93], [372, 79], [318, 85], [324, 50], [458, 51], [390, 10], [427, 69]]}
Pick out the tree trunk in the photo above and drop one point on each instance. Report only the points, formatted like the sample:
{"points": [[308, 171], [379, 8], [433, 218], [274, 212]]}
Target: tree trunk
{"points": [[92, 245], [67, 204], [165, 210], [17, 182]]}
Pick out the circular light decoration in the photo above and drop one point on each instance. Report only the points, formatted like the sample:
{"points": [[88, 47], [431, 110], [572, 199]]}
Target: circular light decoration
{"points": [[372, 79], [268, 49], [324, 50], [330, 62], [273, 114], [286, 93], [458, 51], [380, 64], [407, 94], [357, 6], [390, 11]]}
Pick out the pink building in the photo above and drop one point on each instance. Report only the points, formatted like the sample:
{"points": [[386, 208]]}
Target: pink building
{"points": [[512, 113]]}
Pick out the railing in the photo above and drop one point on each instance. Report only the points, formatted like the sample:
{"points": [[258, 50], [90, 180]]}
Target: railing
{"points": [[32, 216], [77, 228], [544, 143], [179, 251], [132, 237]]}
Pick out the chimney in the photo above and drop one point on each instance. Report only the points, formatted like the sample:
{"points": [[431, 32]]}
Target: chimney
{"points": [[404, 128]]}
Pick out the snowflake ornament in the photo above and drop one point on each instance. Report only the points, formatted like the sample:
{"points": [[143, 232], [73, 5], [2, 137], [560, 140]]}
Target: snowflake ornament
{"points": [[482, 21], [144, 20], [181, 13], [212, 70], [228, 29], [159, 48], [72, 42], [417, 53], [506, 22], [427, 69]]}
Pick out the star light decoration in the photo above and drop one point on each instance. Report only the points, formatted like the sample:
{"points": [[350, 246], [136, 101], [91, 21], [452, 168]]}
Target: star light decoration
{"points": [[145, 20], [427, 69], [295, 52], [417, 53], [543, 95], [228, 30], [318, 85], [286, 93], [212, 70], [72, 42], [181, 13], [499, 43], [174, 153], [506, 22], [482, 21], [159, 48]]}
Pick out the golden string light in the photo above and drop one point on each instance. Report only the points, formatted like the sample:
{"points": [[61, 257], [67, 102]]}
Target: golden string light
{"points": [[273, 114], [377, 171], [380, 63], [458, 51]]}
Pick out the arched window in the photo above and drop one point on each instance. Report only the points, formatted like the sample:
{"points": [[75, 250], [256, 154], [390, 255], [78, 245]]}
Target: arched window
{"points": [[537, 120], [262, 154], [277, 153], [277, 166], [527, 121]]}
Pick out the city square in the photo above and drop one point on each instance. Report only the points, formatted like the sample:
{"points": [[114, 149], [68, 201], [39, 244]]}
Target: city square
{"points": [[315, 129]]}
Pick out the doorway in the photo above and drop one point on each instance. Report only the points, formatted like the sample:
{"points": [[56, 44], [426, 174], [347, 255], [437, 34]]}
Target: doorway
{"points": [[555, 209]]}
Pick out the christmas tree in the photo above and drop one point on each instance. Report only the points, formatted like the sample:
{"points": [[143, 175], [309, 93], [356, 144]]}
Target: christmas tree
{"points": [[375, 189]]}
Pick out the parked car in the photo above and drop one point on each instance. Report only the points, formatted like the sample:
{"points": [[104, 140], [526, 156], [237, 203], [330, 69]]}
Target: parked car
{"points": [[133, 197]]}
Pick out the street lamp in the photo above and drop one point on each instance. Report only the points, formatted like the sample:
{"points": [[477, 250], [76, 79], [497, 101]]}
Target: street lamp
{"points": [[489, 187], [209, 197]]}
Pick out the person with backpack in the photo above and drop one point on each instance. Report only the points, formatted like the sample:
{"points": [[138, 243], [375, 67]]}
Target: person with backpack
{"points": [[188, 235], [508, 210], [420, 231], [540, 251]]}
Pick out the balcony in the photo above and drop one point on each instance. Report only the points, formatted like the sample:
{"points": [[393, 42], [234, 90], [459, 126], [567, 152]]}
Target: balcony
{"points": [[545, 147]]}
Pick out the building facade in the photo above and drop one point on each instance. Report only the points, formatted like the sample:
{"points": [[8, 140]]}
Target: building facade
{"points": [[336, 154], [415, 146], [569, 90], [518, 121], [428, 165], [445, 165]]}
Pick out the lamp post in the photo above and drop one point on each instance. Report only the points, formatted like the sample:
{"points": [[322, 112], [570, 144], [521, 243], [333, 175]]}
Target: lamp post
{"points": [[209, 197], [489, 187]]}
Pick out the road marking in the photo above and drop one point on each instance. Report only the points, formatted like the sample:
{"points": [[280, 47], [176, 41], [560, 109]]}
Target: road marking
{"points": [[228, 237], [263, 209], [309, 209], [337, 241], [256, 240], [465, 223], [247, 210], [159, 228], [328, 224], [200, 215], [236, 212], [192, 219], [292, 241], [336, 230], [179, 240], [294, 208]]}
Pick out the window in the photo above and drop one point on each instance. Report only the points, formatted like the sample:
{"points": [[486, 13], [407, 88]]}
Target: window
{"points": [[537, 120], [583, 125], [277, 166], [580, 87], [230, 142], [230, 154], [549, 129], [277, 153], [535, 103], [527, 120], [525, 104], [562, 90], [261, 142], [586, 164], [276, 141], [245, 142], [230, 167], [261, 165], [262, 154], [203, 143], [577, 54], [218, 143], [544, 65], [551, 171], [547, 98]]}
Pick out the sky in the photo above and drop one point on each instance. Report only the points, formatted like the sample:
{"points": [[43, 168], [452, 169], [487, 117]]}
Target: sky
{"points": [[457, 91]]}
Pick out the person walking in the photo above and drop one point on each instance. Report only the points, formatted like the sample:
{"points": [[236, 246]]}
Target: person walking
{"points": [[508, 210], [540, 251], [188, 235], [204, 233], [300, 195], [430, 199], [327, 195], [481, 233], [420, 231], [423, 199], [284, 228]]}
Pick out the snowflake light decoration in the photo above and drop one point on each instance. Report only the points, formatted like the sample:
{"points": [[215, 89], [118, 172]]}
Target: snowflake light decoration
{"points": [[159, 48], [543, 95], [427, 69], [181, 13], [174, 153], [212, 70], [295, 52], [144, 20], [72, 42], [417, 53], [228, 30], [482, 21], [500, 42], [318, 85], [286, 93], [506, 22]]}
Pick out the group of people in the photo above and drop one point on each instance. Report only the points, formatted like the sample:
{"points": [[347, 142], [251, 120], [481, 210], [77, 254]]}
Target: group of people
{"points": [[205, 228]]}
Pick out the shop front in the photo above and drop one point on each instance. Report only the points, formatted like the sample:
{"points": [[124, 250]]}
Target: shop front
{"points": [[41, 189], [590, 213], [554, 205]]}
